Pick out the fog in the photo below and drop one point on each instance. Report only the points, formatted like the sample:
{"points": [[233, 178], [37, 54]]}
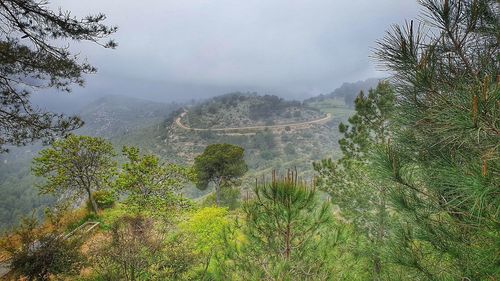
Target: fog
{"points": [[190, 49]]}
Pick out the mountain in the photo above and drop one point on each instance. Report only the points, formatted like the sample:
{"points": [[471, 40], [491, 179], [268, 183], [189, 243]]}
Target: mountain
{"points": [[275, 133], [248, 109]]}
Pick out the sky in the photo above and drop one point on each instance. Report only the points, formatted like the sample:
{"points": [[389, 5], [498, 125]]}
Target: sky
{"points": [[189, 49]]}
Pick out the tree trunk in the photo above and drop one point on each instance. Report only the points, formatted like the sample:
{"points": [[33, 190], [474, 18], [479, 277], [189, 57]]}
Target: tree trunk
{"points": [[288, 246], [217, 194], [377, 267], [92, 201], [377, 262]]}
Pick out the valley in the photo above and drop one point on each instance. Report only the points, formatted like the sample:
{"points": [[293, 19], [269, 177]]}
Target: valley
{"points": [[290, 134]]}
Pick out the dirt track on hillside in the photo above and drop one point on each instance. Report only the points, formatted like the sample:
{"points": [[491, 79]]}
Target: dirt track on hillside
{"points": [[262, 127]]}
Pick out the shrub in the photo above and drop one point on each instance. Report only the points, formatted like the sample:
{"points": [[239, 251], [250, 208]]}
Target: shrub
{"points": [[104, 199], [41, 255]]}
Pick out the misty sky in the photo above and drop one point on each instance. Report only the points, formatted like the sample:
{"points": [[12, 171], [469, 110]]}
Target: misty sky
{"points": [[183, 49]]}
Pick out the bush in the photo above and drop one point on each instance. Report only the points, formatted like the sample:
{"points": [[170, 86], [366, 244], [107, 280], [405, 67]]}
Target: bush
{"points": [[41, 255], [229, 197], [104, 199], [131, 252]]}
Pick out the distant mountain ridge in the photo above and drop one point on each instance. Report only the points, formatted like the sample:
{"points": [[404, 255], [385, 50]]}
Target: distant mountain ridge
{"points": [[348, 91]]}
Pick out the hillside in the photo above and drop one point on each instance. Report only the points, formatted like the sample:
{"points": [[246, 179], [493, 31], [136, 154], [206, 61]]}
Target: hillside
{"points": [[114, 116], [266, 148], [119, 119]]}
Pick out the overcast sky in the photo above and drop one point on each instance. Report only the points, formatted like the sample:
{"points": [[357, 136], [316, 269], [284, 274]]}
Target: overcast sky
{"points": [[183, 49]]}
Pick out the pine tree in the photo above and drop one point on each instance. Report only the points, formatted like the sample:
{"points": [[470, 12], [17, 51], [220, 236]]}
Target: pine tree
{"points": [[31, 58], [288, 234], [221, 164], [361, 197], [443, 158]]}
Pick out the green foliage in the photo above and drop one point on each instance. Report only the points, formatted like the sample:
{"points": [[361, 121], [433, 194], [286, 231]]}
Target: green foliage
{"points": [[370, 124], [351, 183], [229, 197], [76, 166], [31, 59], [180, 260], [221, 164], [150, 184], [443, 160], [103, 198], [288, 234], [206, 227], [42, 254]]}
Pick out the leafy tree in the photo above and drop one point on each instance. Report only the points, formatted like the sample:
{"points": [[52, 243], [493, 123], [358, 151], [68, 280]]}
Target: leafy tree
{"points": [[41, 254], [349, 181], [150, 183], [76, 166], [288, 234], [31, 59], [443, 159], [220, 164]]}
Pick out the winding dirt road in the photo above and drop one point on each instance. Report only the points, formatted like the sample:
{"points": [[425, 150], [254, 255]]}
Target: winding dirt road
{"points": [[262, 127]]}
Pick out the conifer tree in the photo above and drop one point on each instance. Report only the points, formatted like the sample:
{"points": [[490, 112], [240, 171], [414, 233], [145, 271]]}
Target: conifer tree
{"points": [[34, 54], [288, 234], [220, 164], [444, 156], [361, 197]]}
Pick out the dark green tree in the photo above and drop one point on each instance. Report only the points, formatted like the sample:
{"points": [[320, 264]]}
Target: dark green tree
{"points": [[77, 166], [221, 164], [34, 54], [443, 159], [362, 198]]}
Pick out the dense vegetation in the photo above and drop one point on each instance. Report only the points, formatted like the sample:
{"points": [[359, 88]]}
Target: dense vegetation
{"points": [[413, 195]]}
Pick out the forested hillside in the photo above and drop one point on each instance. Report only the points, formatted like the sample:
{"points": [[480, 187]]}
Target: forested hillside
{"points": [[383, 179], [347, 92]]}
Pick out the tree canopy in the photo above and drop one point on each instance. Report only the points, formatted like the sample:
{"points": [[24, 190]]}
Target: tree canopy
{"points": [[150, 184], [220, 164], [76, 166]]}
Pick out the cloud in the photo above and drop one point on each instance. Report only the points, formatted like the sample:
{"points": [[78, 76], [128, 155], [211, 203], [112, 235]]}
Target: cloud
{"points": [[174, 49]]}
